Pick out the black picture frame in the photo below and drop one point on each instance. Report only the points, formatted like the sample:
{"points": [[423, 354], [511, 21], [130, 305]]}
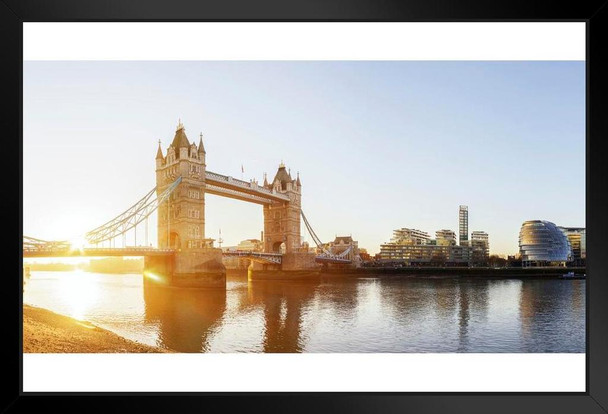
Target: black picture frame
{"points": [[13, 13]]}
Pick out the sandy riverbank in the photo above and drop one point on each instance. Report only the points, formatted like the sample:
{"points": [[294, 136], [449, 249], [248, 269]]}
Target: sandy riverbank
{"points": [[48, 332]]}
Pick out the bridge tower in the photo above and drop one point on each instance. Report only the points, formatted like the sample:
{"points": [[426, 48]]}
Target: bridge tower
{"points": [[281, 218], [181, 220], [282, 233]]}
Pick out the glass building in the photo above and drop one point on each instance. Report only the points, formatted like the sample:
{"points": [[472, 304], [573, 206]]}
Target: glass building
{"points": [[577, 236], [542, 243], [463, 225]]}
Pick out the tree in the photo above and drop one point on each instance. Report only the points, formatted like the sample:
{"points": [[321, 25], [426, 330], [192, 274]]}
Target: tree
{"points": [[497, 261]]}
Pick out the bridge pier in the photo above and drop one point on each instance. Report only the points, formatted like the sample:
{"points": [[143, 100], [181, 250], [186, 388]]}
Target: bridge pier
{"points": [[297, 265], [194, 268]]}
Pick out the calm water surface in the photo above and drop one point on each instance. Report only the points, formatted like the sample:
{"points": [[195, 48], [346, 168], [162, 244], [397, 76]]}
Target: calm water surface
{"points": [[335, 314]]}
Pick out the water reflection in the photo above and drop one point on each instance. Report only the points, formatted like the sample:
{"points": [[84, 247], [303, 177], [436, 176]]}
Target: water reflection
{"points": [[333, 314], [440, 314], [283, 305], [80, 292], [553, 308], [185, 317], [472, 303]]}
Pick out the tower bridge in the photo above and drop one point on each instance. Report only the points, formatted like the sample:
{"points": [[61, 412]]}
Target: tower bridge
{"points": [[185, 257]]}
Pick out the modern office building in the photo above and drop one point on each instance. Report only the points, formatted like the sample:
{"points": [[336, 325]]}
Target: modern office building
{"points": [[463, 225], [480, 235], [480, 248], [542, 243], [411, 247], [445, 238], [410, 236], [415, 247], [577, 236], [427, 254]]}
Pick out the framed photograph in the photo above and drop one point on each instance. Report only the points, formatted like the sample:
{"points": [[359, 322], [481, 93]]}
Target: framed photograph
{"points": [[366, 208]]}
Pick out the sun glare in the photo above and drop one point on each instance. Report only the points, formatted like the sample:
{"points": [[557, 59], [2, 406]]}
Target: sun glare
{"points": [[77, 243], [153, 276], [80, 292]]}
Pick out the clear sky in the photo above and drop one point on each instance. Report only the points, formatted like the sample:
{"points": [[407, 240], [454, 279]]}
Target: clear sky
{"points": [[379, 145]]}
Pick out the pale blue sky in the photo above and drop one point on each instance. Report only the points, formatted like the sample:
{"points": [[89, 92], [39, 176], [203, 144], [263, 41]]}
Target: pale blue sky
{"points": [[379, 145]]}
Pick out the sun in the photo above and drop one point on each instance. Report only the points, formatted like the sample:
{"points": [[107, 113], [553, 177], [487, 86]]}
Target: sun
{"points": [[77, 243]]}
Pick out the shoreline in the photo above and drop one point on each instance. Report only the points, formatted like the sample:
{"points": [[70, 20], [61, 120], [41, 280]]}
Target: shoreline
{"points": [[45, 331], [424, 272], [461, 272]]}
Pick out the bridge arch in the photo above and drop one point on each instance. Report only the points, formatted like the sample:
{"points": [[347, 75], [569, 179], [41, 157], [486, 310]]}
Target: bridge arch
{"points": [[278, 247]]}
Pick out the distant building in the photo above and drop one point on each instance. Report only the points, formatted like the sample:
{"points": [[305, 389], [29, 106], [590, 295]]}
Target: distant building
{"points": [[307, 248], [251, 245], [445, 238], [364, 255], [410, 236], [248, 245], [414, 247], [577, 236], [480, 248], [342, 244], [463, 225], [542, 243], [427, 254]]}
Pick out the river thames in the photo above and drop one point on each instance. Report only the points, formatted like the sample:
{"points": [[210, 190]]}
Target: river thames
{"points": [[333, 314]]}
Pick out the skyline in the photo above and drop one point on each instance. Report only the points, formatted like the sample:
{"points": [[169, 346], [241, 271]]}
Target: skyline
{"points": [[386, 144]]}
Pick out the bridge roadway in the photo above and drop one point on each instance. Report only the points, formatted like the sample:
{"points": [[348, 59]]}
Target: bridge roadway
{"points": [[265, 257], [230, 187], [136, 251], [275, 258], [97, 252]]}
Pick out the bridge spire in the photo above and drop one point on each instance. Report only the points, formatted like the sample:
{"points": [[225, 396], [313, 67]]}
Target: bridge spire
{"points": [[201, 148], [298, 180], [180, 140], [282, 176], [159, 153]]}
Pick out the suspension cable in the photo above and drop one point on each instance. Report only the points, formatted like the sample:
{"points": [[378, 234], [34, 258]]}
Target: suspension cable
{"points": [[132, 216], [320, 244]]}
